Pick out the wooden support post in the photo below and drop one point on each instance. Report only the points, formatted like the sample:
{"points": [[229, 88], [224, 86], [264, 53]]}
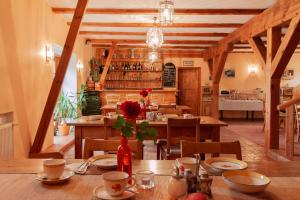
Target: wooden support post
{"points": [[289, 132], [210, 64], [59, 77], [279, 54], [272, 91], [107, 64], [218, 67]]}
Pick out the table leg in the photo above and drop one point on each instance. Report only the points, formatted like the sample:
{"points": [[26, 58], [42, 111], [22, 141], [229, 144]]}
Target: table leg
{"points": [[78, 142]]}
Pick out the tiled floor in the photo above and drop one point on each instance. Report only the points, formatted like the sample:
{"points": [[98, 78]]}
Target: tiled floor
{"points": [[249, 133]]}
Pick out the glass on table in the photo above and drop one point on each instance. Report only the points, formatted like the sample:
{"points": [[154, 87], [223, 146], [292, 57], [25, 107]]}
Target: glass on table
{"points": [[145, 179]]}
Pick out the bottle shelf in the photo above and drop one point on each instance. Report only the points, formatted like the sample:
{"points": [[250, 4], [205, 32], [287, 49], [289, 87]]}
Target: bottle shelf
{"points": [[134, 80], [154, 71]]}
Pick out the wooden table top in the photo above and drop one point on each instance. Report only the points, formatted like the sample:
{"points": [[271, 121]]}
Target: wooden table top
{"points": [[17, 181], [205, 121]]}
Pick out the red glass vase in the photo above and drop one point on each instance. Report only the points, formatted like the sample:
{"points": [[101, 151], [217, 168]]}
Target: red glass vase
{"points": [[124, 157]]}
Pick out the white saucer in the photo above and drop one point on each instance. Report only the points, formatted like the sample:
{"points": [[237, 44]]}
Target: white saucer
{"points": [[66, 176], [100, 193]]}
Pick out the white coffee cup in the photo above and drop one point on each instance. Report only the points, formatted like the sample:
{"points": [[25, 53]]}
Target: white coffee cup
{"points": [[54, 168], [115, 183]]}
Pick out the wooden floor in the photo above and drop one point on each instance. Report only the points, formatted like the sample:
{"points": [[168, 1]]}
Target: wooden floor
{"points": [[249, 133]]}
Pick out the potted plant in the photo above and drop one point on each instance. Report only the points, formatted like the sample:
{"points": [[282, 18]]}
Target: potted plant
{"points": [[64, 109]]}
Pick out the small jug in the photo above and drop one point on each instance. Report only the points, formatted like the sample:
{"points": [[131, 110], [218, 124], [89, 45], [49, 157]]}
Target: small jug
{"points": [[177, 186]]}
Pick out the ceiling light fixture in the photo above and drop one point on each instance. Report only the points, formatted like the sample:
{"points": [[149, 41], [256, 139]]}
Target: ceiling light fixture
{"points": [[155, 37], [166, 12], [153, 56]]}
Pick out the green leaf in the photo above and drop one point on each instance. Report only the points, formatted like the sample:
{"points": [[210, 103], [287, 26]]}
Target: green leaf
{"points": [[144, 125], [151, 132], [140, 136], [127, 131], [120, 122]]}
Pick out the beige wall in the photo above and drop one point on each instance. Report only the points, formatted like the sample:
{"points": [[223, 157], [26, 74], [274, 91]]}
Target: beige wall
{"points": [[25, 79]]}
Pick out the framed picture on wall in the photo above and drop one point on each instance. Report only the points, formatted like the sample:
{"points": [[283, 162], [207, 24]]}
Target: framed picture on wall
{"points": [[188, 63], [288, 74], [229, 73]]}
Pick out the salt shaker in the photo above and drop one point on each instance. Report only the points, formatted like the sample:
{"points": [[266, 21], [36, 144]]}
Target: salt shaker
{"points": [[205, 183], [177, 185]]}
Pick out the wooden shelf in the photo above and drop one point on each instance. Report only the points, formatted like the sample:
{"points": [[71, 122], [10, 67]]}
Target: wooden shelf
{"points": [[132, 60], [154, 71], [134, 80]]}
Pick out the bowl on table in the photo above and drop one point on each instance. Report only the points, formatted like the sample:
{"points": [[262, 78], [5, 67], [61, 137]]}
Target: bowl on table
{"points": [[246, 181]]}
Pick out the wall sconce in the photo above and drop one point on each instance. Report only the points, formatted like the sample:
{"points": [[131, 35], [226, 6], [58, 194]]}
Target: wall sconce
{"points": [[80, 66], [49, 54], [252, 69]]}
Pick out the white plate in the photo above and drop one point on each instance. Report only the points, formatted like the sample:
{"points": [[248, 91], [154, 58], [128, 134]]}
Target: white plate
{"points": [[106, 161], [100, 193], [67, 174], [221, 164]]}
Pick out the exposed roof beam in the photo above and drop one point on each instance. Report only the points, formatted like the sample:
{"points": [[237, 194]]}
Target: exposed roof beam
{"points": [[146, 47], [154, 11], [175, 25], [125, 41], [143, 34], [279, 14]]}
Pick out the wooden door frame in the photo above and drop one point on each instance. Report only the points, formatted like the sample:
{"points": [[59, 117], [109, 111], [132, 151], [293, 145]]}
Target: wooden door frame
{"points": [[199, 80]]}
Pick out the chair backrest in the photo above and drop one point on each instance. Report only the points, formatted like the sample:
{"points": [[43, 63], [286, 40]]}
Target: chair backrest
{"points": [[190, 148], [182, 129], [92, 145], [112, 99], [133, 97]]}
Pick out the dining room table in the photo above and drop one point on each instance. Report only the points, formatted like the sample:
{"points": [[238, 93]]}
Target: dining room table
{"points": [[18, 181], [94, 129]]}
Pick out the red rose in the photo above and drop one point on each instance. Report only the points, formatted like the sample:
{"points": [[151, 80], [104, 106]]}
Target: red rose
{"points": [[149, 90], [130, 109], [144, 93]]}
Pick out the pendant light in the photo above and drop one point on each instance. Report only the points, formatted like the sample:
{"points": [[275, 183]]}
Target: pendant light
{"points": [[155, 37], [166, 12], [153, 56]]}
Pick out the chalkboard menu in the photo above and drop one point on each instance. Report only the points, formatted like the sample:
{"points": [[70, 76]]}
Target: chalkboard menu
{"points": [[169, 75]]}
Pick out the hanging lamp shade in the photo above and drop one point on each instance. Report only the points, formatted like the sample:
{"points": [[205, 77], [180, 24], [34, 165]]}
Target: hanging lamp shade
{"points": [[153, 56], [155, 37], [166, 12]]}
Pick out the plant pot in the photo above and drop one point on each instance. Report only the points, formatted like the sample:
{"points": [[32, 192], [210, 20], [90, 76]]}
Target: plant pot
{"points": [[63, 129]]}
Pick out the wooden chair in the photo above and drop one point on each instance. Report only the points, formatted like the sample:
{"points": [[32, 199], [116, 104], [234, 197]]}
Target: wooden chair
{"points": [[178, 129], [188, 149], [297, 110], [112, 99], [92, 145]]}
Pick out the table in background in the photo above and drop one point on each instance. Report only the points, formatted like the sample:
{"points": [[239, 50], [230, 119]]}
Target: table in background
{"points": [[17, 181], [240, 105], [209, 129]]}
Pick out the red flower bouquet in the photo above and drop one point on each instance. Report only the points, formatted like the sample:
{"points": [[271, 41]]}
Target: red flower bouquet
{"points": [[130, 109], [144, 93]]}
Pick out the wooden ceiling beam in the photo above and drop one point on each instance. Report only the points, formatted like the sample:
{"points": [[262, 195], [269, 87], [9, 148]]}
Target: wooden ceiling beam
{"points": [[286, 48], [277, 15], [144, 34], [127, 41], [175, 25], [259, 49], [146, 47], [58, 78], [63, 10], [107, 64]]}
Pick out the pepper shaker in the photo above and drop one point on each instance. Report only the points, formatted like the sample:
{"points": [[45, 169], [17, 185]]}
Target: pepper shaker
{"points": [[205, 183]]}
